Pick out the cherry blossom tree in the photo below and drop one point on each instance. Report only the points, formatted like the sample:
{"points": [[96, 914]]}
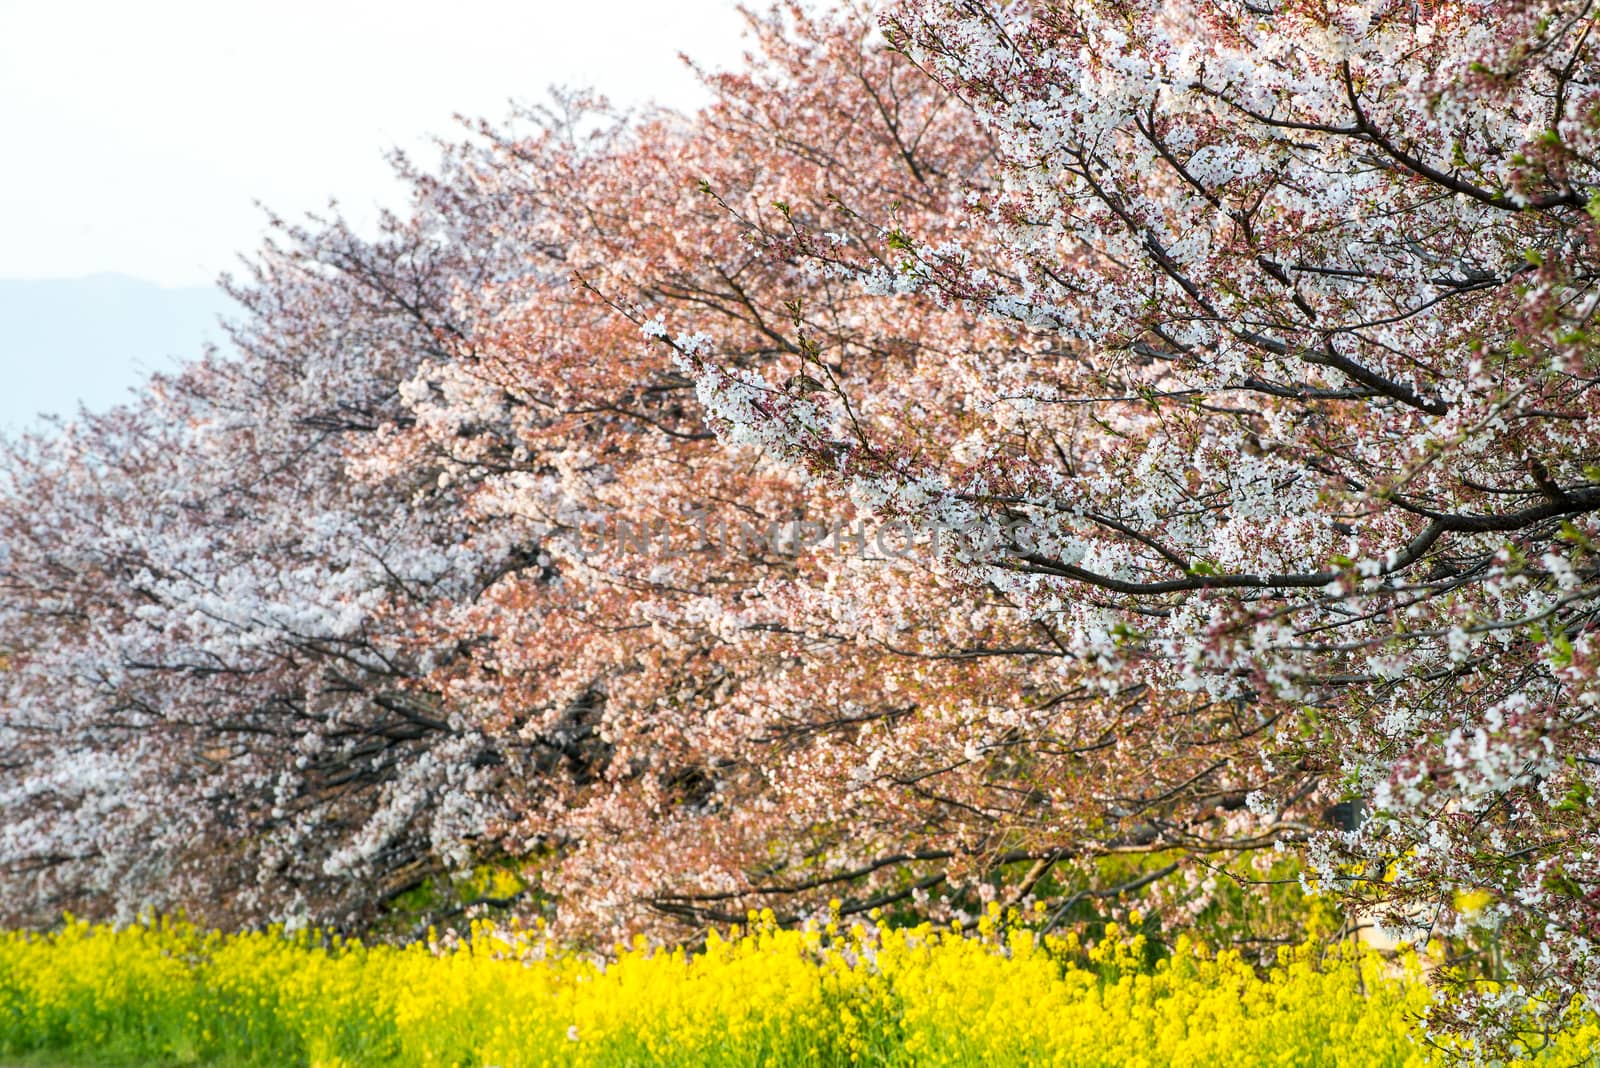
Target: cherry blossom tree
{"points": [[306, 628], [790, 727], [1032, 451], [209, 680], [1287, 405]]}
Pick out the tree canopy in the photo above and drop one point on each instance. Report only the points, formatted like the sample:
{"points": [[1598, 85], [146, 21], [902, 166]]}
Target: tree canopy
{"points": [[1034, 451]]}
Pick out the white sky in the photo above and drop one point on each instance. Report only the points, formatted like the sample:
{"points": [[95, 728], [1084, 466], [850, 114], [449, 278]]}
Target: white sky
{"points": [[136, 135]]}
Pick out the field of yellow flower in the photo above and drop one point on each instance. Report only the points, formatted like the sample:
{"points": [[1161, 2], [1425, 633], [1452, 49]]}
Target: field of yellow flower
{"points": [[163, 993]]}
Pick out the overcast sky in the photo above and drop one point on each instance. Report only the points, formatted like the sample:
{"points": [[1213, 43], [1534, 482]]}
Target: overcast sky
{"points": [[138, 135]]}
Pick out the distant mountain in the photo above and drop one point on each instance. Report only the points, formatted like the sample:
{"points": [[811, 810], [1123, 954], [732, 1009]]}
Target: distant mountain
{"points": [[69, 340]]}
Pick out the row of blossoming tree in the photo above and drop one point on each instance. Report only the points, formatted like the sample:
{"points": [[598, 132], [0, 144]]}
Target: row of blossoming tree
{"points": [[1035, 451]]}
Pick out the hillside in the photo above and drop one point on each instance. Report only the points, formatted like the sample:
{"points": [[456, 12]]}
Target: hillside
{"points": [[91, 339]]}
